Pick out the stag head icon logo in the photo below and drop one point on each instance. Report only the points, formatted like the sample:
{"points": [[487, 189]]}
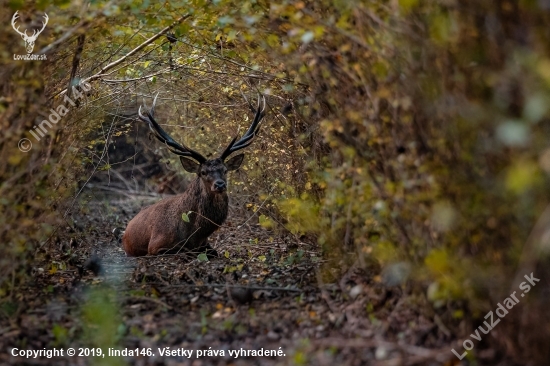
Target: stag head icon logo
{"points": [[29, 40]]}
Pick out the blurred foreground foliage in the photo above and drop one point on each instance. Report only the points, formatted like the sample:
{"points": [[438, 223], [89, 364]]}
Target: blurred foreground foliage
{"points": [[411, 132]]}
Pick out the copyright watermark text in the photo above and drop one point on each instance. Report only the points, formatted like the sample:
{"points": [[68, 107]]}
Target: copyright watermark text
{"points": [[40, 130], [147, 352], [501, 311]]}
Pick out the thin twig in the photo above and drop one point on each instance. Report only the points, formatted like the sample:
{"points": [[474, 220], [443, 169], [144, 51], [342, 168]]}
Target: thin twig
{"points": [[156, 301], [265, 288], [132, 52]]}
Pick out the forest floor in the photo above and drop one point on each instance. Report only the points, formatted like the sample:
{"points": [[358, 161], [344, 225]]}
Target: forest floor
{"points": [[263, 292]]}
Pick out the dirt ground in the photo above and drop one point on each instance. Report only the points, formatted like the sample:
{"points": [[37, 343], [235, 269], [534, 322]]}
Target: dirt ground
{"points": [[265, 291]]}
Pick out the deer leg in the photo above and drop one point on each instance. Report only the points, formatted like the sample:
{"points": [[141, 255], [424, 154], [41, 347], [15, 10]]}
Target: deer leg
{"points": [[159, 246]]}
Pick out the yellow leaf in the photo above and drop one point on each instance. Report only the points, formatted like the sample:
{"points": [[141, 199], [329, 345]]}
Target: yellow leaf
{"points": [[522, 176], [265, 222], [231, 36]]}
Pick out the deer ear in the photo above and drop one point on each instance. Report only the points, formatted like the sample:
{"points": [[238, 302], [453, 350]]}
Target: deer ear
{"points": [[235, 162], [189, 165]]}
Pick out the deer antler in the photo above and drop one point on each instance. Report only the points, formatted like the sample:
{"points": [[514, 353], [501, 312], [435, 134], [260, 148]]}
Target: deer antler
{"points": [[163, 137], [46, 18], [250, 134], [13, 20], [35, 33]]}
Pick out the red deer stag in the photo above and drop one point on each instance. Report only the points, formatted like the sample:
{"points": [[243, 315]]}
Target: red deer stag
{"points": [[160, 228]]}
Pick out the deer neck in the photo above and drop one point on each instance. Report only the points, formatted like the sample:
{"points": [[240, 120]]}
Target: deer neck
{"points": [[210, 205]]}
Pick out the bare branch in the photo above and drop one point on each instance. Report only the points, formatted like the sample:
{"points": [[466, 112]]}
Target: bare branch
{"points": [[132, 52]]}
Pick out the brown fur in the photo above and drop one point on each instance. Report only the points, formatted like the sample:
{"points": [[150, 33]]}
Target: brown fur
{"points": [[160, 228]]}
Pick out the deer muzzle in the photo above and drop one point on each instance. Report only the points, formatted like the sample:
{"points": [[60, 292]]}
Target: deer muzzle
{"points": [[219, 186]]}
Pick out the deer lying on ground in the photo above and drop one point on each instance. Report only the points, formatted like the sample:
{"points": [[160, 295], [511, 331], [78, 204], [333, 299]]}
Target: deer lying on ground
{"points": [[160, 228]]}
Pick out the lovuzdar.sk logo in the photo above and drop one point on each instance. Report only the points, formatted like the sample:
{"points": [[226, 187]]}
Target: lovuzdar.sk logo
{"points": [[29, 39]]}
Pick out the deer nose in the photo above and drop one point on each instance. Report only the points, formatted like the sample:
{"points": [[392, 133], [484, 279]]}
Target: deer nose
{"points": [[219, 185]]}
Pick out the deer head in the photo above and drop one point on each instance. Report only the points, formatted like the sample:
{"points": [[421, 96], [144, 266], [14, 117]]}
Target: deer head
{"points": [[29, 40], [212, 172]]}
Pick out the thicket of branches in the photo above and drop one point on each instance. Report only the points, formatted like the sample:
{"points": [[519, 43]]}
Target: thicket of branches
{"points": [[416, 131]]}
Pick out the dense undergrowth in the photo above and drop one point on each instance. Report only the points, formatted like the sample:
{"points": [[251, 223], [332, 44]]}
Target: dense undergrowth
{"points": [[414, 133]]}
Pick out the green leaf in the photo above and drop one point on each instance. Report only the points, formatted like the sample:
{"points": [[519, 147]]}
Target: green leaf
{"points": [[60, 333], [226, 254], [272, 40], [202, 257], [408, 4], [185, 217]]}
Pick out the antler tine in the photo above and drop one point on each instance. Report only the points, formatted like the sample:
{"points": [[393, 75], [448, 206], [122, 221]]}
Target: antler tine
{"points": [[14, 20], [250, 133], [254, 128], [46, 18], [163, 137]]}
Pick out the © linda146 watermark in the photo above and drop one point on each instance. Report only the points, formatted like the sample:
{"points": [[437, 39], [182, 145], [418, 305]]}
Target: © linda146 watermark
{"points": [[25, 144], [29, 40], [501, 311]]}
